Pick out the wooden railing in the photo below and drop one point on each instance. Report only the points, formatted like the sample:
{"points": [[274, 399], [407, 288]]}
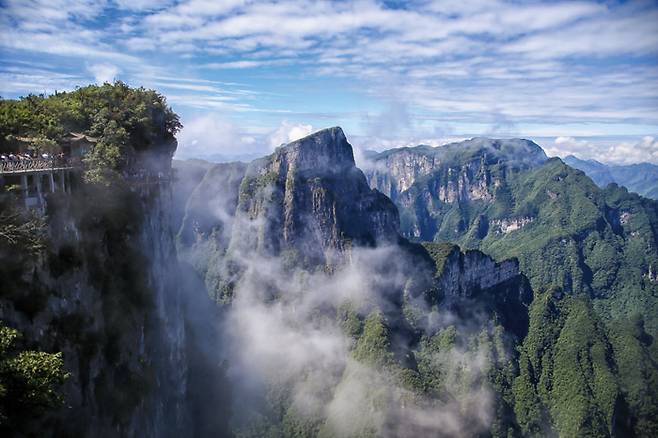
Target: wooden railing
{"points": [[33, 165]]}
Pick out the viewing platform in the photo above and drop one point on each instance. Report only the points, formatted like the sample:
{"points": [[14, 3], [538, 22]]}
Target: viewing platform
{"points": [[34, 165], [31, 177], [35, 177]]}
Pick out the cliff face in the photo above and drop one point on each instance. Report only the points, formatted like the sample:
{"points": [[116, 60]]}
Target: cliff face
{"points": [[470, 282], [308, 203], [308, 199], [319, 284], [106, 292], [426, 183], [207, 222], [467, 274], [396, 173], [465, 174]]}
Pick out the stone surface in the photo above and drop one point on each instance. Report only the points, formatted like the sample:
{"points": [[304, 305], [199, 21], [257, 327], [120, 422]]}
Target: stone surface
{"points": [[309, 197]]}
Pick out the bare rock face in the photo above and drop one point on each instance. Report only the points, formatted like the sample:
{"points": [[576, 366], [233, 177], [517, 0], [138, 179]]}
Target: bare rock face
{"points": [[471, 282], [456, 172], [469, 182], [397, 172], [507, 225], [426, 183], [473, 271], [308, 199]]}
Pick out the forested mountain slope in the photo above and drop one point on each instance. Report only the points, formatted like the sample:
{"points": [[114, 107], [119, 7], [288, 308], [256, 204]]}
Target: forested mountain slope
{"points": [[564, 230], [597, 246]]}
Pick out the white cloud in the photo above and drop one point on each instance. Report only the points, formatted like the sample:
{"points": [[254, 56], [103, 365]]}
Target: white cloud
{"points": [[288, 132], [207, 136], [546, 68], [143, 5], [104, 72], [644, 149]]}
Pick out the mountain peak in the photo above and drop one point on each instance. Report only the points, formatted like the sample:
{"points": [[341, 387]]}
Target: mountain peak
{"points": [[511, 150], [325, 150], [309, 197]]}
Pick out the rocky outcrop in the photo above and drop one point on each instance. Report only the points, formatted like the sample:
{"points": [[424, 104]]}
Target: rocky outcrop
{"points": [[427, 182], [396, 172], [507, 225], [470, 182], [473, 285], [466, 274], [309, 199], [455, 172]]}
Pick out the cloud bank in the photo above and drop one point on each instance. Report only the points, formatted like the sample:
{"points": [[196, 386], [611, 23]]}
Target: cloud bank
{"points": [[621, 152]]}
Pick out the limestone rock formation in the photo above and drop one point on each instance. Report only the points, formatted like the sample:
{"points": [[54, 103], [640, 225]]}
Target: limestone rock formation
{"points": [[473, 284], [466, 168], [309, 199]]}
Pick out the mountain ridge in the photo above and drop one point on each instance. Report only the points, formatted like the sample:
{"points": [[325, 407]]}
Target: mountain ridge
{"points": [[641, 178]]}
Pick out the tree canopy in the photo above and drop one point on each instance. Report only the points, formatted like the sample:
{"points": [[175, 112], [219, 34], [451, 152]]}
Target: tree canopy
{"points": [[123, 119], [29, 381]]}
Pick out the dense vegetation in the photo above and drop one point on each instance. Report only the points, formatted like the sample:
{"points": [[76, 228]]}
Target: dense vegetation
{"points": [[588, 364], [29, 383], [463, 369], [124, 120], [569, 233], [576, 375]]}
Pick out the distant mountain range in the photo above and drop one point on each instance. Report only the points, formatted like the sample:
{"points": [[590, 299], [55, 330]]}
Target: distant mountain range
{"points": [[641, 178]]}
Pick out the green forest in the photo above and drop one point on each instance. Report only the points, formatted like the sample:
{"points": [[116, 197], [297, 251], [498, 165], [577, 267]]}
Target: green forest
{"points": [[124, 120]]}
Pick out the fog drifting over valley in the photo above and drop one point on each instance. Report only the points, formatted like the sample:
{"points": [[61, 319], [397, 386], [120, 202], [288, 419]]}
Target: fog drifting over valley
{"points": [[296, 338]]}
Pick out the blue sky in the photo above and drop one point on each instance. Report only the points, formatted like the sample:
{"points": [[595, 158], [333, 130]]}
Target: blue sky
{"points": [[245, 76]]}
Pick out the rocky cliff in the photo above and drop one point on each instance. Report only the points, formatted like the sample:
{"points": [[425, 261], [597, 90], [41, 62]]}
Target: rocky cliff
{"points": [[469, 282], [468, 170], [308, 203], [309, 199], [426, 183], [107, 292]]}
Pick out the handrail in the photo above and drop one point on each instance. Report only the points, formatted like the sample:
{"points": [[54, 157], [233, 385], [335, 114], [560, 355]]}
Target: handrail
{"points": [[35, 164]]}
